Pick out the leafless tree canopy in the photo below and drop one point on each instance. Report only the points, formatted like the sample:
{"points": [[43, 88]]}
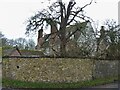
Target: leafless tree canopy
{"points": [[61, 16]]}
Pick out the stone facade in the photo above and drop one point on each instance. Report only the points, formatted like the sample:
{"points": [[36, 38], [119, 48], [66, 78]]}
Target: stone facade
{"points": [[57, 69]]}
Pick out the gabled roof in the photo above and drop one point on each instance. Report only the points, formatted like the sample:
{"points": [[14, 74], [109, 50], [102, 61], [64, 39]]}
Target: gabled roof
{"points": [[31, 53], [9, 51], [73, 27]]}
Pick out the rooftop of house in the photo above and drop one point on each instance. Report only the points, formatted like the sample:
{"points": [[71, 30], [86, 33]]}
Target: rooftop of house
{"points": [[77, 25], [9, 51], [71, 28], [31, 52]]}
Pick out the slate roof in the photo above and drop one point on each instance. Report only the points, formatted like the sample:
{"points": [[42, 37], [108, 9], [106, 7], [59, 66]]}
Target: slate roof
{"points": [[31, 53], [8, 52]]}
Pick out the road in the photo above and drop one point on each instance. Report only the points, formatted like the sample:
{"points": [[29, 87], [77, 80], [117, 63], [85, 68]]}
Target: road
{"points": [[112, 85]]}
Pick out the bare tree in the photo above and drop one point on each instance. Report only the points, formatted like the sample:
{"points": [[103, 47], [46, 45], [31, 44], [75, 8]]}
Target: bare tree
{"points": [[113, 38], [109, 40], [60, 16]]}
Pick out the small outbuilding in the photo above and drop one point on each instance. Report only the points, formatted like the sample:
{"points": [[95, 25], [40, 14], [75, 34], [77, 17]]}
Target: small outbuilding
{"points": [[11, 52], [23, 53]]}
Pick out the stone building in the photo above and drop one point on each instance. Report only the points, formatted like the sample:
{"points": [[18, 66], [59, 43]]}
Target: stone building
{"points": [[22, 53], [102, 43], [50, 43], [11, 52]]}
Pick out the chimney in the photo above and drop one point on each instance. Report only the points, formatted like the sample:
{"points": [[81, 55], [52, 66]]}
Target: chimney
{"points": [[40, 33], [53, 33], [102, 32], [53, 28], [53, 39], [40, 38]]}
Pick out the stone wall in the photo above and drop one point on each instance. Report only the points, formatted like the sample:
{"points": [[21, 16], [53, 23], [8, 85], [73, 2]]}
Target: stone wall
{"points": [[56, 69], [105, 68], [48, 69]]}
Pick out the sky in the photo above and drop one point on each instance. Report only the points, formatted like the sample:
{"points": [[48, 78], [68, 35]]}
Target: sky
{"points": [[15, 13]]}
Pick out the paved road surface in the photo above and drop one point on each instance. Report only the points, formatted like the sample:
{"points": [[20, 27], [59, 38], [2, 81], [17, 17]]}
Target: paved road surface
{"points": [[112, 85]]}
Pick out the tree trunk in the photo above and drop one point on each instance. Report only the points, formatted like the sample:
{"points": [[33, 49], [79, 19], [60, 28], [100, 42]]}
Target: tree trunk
{"points": [[63, 43], [63, 48], [63, 37]]}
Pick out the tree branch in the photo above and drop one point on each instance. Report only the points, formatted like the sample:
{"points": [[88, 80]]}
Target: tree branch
{"points": [[73, 17], [72, 34], [78, 11], [56, 53], [61, 10], [87, 4], [69, 8], [48, 35]]}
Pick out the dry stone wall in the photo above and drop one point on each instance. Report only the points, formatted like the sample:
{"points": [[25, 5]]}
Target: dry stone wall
{"points": [[48, 69], [105, 68], [57, 69]]}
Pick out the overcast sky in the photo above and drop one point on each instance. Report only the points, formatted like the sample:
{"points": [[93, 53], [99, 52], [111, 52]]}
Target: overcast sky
{"points": [[14, 13]]}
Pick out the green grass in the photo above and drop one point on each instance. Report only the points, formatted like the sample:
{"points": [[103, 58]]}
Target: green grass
{"points": [[22, 84]]}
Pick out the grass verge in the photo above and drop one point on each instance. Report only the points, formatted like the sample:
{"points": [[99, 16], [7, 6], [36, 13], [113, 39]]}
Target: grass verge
{"points": [[21, 84]]}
